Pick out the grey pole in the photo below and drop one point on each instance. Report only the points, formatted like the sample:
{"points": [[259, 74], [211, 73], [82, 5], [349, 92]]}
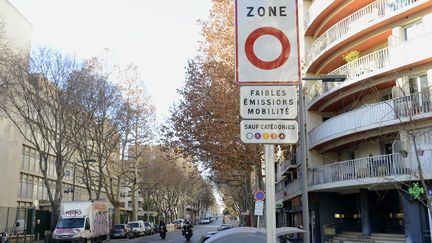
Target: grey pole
{"points": [[304, 180], [270, 201], [73, 182]]}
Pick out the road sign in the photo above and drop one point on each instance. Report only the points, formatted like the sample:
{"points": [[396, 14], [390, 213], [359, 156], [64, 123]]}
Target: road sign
{"points": [[269, 131], [267, 49], [268, 102], [259, 208], [259, 195]]}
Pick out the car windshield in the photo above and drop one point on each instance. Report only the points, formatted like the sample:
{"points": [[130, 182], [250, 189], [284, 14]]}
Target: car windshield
{"points": [[67, 223], [119, 226], [134, 225], [146, 224]]}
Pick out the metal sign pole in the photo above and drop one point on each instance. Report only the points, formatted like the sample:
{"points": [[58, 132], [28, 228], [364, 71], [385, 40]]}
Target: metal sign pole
{"points": [[270, 205], [258, 225]]}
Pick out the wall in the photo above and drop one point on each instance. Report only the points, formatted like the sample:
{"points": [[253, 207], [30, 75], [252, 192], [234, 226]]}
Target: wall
{"points": [[18, 32], [16, 21]]}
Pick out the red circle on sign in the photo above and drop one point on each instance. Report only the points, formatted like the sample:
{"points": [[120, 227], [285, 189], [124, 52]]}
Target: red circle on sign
{"points": [[250, 54]]}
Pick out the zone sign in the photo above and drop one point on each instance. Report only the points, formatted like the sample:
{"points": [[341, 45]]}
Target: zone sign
{"points": [[267, 49]]}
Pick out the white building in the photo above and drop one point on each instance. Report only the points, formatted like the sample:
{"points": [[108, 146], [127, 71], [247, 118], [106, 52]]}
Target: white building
{"points": [[361, 158]]}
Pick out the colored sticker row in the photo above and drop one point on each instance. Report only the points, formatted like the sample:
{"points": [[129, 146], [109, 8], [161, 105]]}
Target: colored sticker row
{"points": [[266, 135]]}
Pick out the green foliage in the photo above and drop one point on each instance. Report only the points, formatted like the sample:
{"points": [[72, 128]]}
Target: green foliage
{"points": [[226, 212], [415, 191], [351, 56]]}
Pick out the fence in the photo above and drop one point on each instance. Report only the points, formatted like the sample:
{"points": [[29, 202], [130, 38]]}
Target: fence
{"points": [[24, 224]]}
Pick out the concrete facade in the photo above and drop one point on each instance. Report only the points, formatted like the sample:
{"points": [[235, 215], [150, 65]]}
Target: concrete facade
{"points": [[18, 32]]}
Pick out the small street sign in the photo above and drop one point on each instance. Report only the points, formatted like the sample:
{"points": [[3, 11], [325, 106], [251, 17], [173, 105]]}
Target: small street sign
{"points": [[269, 131], [268, 102], [259, 208], [259, 195]]}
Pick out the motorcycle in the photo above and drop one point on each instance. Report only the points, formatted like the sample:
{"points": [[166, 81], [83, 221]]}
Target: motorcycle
{"points": [[162, 232], [187, 232]]}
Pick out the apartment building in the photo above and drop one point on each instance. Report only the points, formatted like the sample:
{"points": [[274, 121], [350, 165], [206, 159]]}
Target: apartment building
{"points": [[19, 161], [367, 136]]}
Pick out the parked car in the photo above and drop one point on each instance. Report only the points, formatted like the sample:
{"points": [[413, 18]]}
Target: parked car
{"points": [[149, 228], [137, 228], [178, 223], [205, 220], [121, 231], [154, 227], [249, 234]]}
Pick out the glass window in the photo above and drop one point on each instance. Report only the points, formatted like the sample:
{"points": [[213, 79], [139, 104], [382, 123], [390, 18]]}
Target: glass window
{"points": [[413, 31], [23, 186], [30, 187], [418, 84], [40, 188], [70, 223]]}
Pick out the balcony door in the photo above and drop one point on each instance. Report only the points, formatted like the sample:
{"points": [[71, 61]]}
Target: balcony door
{"points": [[419, 90]]}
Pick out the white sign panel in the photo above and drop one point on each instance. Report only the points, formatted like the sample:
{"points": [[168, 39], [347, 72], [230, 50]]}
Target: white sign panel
{"points": [[268, 102], [259, 208], [267, 50], [269, 131]]}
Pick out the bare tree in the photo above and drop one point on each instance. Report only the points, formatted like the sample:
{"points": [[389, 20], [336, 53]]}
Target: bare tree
{"points": [[39, 100]]}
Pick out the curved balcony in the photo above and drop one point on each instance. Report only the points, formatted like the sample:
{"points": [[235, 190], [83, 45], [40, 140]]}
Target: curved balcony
{"points": [[359, 171], [360, 20], [354, 71], [315, 10], [376, 64], [369, 117]]}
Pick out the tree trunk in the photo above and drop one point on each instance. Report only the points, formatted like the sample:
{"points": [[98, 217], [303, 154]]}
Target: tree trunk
{"points": [[117, 213], [134, 203]]}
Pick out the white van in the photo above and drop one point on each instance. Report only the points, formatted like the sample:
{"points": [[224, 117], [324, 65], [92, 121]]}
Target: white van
{"points": [[137, 227], [83, 221]]}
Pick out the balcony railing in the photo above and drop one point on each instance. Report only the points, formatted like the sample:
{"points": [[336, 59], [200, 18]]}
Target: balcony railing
{"points": [[370, 63], [315, 9], [357, 21], [287, 164], [374, 166], [293, 188], [374, 115]]}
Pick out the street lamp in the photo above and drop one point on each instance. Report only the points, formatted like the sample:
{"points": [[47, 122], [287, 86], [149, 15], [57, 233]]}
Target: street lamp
{"points": [[305, 197], [74, 172]]}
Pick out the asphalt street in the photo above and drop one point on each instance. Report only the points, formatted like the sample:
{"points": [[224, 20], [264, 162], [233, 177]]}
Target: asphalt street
{"points": [[173, 236]]}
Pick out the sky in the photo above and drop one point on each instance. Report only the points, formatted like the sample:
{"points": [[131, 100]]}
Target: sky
{"points": [[159, 36]]}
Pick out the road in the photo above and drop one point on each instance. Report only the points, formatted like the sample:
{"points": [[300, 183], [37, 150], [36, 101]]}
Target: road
{"points": [[173, 236]]}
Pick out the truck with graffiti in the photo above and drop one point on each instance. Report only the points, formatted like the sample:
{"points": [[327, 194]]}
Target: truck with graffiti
{"points": [[82, 221]]}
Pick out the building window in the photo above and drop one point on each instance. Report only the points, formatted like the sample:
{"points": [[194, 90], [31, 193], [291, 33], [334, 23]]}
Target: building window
{"points": [[418, 84], [413, 30]]}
